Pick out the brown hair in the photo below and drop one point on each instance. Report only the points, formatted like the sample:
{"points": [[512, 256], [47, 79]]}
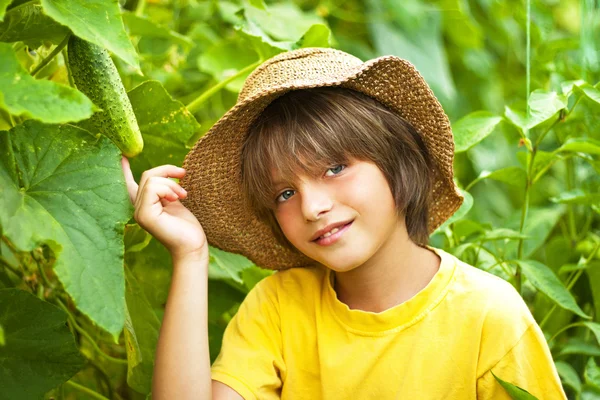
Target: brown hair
{"points": [[314, 129]]}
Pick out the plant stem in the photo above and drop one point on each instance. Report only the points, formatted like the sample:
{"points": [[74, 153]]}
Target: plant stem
{"points": [[104, 377], [11, 268], [86, 390], [53, 54], [195, 104], [564, 329], [141, 6], [88, 337]]}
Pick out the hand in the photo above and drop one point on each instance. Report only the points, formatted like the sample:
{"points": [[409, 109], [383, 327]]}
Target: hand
{"points": [[159, 211]]}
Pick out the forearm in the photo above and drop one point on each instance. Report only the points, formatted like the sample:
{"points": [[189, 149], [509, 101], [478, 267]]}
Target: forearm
{"points": [[182, 365]]}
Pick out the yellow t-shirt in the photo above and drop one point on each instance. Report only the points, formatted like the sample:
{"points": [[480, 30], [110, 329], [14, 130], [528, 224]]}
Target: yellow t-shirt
{"points": [[293, 339]]}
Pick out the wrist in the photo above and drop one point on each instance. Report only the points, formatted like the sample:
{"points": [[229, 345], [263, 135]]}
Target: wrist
{"points": [[190, 256]]}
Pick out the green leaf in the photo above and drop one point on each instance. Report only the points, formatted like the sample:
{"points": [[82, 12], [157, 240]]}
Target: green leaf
{"points": [[258, 4], [568, 375], [544, 279], [97, 21], [225, 59], [580, 145], [543, 106], [502, 233], [421, 44], [63, 187], [2, 337], [3, 5], [515, 176], [30, 25], [577, 196], [318, 35], [539, 224], [592, 373], [589, 91], [576, 345], [224, 265], [139, 25], [136, 238], [166, 126], [40, 351], [141, 336], [515, 392], [251, 276], [153, 269], [221, 298], [51, 102], [595, 328], [473, 128]]}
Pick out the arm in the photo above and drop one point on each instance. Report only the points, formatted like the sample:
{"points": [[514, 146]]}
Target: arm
{"points": [[182, 365]]}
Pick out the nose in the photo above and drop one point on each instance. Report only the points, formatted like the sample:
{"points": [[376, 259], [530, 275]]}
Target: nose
{"points": [[316, 200]]}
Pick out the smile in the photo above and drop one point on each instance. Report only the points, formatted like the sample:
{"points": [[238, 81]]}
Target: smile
{"points": [[333, 236]]}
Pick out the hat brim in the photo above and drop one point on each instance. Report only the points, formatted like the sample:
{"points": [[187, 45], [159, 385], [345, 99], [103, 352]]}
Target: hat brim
{"points": [[213, 165]]}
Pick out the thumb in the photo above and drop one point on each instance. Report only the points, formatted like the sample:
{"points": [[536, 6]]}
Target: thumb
{"points": [[132, 186]]}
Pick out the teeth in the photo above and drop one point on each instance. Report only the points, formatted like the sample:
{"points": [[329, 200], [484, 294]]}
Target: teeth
{"points": [[334, 230]]}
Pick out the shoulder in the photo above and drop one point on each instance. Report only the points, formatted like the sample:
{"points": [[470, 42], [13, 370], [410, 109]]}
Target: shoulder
{"points": [[497, 300]]}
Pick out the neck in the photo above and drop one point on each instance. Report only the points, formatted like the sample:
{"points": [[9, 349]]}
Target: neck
{"points": [[397, 272]]}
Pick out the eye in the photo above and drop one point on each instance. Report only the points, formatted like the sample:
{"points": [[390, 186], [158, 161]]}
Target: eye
{"points": [[337, 168], [283, 195]]}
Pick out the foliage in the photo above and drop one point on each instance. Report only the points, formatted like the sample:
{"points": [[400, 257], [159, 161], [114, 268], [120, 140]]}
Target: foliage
{"points": [[526, 128]]}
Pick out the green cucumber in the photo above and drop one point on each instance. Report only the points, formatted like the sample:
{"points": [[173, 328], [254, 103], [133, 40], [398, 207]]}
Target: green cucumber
{"points": [[95, 74]]}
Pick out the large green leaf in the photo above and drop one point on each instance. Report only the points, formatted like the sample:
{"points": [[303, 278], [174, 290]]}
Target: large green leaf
{"points": [[61, 186], [141, 336], [29, 24], [544, 279], [473, 128], [515, 392], [40, 351], [166, 126], [97, 21], [51, 102]]}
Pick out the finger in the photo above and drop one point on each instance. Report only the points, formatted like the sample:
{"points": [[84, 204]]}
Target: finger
{"points": [[164, 171], [170, 183], [132, 186], [153, 193]]}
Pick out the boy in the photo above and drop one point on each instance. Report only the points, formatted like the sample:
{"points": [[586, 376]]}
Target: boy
{"points": [[334, 172]]}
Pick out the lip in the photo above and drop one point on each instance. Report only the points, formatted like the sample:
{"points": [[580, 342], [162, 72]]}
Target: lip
{"points": [[335, 237], [327, 228]]}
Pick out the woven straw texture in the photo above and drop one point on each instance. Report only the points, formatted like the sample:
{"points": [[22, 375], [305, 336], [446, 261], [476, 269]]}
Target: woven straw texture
{"points": [[213, 165]]}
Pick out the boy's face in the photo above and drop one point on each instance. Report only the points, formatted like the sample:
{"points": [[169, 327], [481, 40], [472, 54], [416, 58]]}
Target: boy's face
{"points": [[356, 192]]}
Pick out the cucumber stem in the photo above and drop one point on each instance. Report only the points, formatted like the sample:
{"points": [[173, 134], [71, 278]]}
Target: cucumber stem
{"points": [[53, 54]]}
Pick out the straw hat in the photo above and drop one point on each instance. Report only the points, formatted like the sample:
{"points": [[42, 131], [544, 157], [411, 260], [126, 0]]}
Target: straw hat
{"points": [[213, 165]]}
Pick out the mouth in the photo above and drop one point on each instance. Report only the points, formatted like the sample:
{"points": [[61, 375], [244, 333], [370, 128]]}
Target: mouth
{"points": [[333, 237]]}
